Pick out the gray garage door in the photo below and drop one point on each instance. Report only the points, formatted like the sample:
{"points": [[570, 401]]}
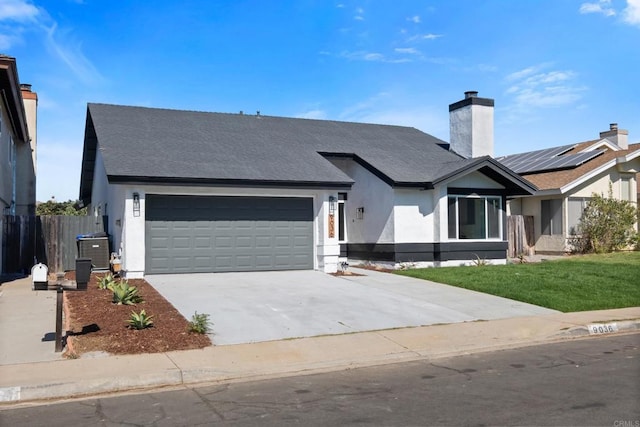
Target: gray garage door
{"points": [[189, 234]]}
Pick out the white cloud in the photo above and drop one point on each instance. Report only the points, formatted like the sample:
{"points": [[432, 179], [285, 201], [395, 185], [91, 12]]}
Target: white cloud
{"points": [[18, 10], [602, 6], [428, 36], [15, 15], [534, 87], [393, 109], [313, 114], [372, 57], [414, 19], [71, 54], [6, 41], [631, 14], [409, 50], [340, 5], [359, 14]]}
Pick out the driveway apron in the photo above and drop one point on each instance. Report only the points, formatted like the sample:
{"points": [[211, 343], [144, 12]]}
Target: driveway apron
{"points": [[265, 306]]}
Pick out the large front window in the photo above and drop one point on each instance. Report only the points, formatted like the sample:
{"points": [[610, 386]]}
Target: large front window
{"points": [[475, 217]]}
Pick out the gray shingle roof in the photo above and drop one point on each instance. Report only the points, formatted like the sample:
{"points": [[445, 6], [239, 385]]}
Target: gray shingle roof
{"points": [[167, 145]]}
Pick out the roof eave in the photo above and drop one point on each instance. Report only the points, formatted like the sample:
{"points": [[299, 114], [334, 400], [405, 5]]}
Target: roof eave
{"points": [[219, 182], [12, 97]]}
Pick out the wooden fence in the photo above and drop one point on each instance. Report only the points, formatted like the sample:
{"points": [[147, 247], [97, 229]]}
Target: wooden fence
{"points": [[520, 235], [51, 240]]}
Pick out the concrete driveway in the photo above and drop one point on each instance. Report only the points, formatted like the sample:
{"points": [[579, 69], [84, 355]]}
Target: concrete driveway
{"points": [[265, 306]]}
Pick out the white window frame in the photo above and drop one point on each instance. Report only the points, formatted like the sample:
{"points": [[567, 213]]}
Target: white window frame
{"points": [[342, 219], [486, 217]]}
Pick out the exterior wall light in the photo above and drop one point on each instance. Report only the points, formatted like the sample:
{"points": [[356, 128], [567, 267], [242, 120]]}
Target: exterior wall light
{"points": [[136, 204], [332, 205]]}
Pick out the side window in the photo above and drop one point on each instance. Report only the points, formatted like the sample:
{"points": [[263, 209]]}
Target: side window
{"points": [[342, 220], [551, 216], [575, 208], [625, 189]]}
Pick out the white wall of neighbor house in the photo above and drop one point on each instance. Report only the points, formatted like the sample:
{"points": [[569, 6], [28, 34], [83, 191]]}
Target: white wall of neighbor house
{"points": [[131, 229], [376, 199], [599, 184]]}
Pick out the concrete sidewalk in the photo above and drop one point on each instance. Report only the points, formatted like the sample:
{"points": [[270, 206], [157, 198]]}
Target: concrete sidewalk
{"points": [[83, 377], [27, 323]]}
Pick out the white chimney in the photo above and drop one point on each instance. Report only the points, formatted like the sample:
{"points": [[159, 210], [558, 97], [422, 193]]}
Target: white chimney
{"points": [[471, 126], [620, 137]]}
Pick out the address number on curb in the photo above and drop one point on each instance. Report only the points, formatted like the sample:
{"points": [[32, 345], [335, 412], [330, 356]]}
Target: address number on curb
{"points": [[602, 328]]}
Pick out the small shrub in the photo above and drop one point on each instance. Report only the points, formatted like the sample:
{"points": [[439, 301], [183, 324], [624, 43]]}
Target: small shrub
{"points": [[123, 293], [106, 282], [200, 323], [480, 262], [606, 225], [140, 320]]}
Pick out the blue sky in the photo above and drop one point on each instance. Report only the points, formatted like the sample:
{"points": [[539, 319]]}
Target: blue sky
{"points": [[559, 70]]}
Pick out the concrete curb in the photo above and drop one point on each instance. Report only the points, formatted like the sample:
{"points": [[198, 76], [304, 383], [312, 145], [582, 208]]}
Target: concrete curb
{"points": [[87, 377]]}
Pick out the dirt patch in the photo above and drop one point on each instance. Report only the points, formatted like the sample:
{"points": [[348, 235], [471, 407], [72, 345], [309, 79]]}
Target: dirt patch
{"points": [[95, 324], [374, 267], [345, 273]]}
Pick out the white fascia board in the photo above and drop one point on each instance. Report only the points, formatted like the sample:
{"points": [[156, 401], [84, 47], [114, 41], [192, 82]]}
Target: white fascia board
{"points": [[602, 143], [549, 192], [624, 160]]}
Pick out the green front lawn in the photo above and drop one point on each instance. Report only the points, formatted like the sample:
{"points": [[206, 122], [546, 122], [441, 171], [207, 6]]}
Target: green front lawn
{"points": [[577, 283]]}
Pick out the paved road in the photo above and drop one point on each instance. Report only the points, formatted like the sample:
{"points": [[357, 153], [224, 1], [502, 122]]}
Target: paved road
{"points": [[586, 382]]}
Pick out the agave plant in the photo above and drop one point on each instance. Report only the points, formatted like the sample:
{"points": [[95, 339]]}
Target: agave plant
{"points": [[200, 323], [140, 320], [123, 293], [106, 282]]}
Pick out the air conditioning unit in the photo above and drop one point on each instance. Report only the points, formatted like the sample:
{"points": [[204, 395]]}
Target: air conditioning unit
{"points": [[96, 248]]}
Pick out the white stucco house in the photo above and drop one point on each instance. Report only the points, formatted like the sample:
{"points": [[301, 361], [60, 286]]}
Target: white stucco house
{"points": [[189, 191], [567, 176]]}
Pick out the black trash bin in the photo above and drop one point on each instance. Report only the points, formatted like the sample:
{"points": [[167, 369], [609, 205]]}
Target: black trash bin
{"points": [[83, 272]]}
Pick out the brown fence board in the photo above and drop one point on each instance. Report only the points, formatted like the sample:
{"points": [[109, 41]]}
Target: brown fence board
{"points": [[51, 240], [520, 235]]}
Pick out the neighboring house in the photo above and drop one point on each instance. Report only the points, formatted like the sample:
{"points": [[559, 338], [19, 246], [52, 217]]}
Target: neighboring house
{"points": [[567, 176], [17, 145], [189, 191]]}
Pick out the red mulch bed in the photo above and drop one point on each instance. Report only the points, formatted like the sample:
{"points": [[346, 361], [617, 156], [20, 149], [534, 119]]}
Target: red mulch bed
{"points": [[94, 323]]}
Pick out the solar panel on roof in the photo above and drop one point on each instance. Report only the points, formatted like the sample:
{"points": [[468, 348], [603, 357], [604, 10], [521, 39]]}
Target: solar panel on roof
{"points": [[523, 161], [561, 162], [539, 160]]}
